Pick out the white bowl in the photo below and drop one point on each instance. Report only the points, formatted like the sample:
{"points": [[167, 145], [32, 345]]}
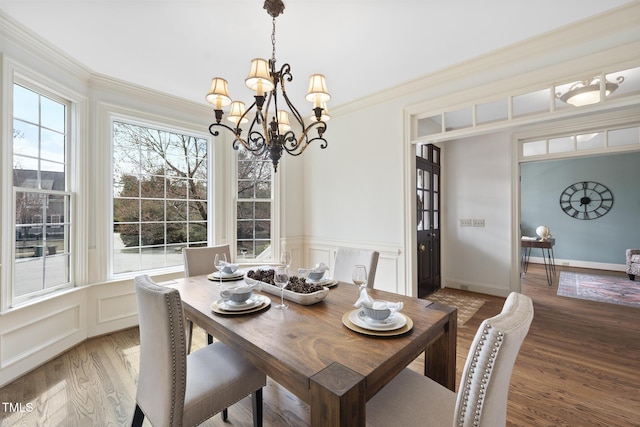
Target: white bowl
{"points": [[237, 293], [229, 269], [376, 313], [315, 275]]}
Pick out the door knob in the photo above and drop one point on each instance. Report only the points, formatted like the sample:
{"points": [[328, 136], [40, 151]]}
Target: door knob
{"points": [[422, 247]]}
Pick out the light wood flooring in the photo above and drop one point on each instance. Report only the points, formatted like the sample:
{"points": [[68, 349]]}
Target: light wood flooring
{"points": [[579, 366]]}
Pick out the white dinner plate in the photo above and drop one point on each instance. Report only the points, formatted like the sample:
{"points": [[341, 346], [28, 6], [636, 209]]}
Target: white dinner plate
{"points": [[252, 302], [236, 275], [395, 321]]}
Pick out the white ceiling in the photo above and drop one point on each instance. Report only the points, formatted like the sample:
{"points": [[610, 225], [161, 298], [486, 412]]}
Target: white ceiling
{"points": [[362, 46]]}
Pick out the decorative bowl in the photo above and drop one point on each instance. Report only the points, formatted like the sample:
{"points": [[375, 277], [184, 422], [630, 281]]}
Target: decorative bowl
{"points": [[298, 298]]}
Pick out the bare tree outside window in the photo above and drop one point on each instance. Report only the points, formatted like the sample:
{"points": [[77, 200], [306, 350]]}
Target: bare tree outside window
{"points": [[160, 196]]}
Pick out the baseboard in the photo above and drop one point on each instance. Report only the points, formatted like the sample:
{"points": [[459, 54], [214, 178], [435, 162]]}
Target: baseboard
{"points": [[582, 264]]}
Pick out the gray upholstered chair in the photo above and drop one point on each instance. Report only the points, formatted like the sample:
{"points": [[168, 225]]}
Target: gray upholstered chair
{"points": [[633, 263], [411, 399], [346, 258], [199, 261], [176, 389]]}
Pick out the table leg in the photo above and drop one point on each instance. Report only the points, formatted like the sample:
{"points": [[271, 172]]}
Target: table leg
{"points": [[546, 258], [552, 261], [440, 357], [337, 397], [526, 253]]}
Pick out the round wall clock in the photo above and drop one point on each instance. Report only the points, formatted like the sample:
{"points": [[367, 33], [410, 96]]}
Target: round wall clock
{"points": [[586, 200]]}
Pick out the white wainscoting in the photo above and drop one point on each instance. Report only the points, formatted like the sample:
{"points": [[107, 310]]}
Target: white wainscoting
{"points": [[35, 333], [390, 276]]}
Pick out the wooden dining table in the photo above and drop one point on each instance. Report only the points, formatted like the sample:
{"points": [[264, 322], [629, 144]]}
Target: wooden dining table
{"points": [[309, 350]]}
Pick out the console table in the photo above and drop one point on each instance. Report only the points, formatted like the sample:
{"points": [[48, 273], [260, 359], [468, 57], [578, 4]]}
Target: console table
{"points": [[546, 246]]}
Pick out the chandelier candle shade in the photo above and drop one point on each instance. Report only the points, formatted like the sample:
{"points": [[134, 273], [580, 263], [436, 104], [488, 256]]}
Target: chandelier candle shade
{"points": [[270, 131]]}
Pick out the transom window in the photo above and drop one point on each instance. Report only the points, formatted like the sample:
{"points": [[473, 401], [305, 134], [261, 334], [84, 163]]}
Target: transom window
{"points": [[159, 196], [41, 200]]}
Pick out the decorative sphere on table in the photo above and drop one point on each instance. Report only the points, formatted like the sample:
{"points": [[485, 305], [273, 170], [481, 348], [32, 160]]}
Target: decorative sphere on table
{"points": [[543, 232]]}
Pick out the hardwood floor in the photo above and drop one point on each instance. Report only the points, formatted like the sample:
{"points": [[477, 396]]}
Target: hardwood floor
{"points": [[579, 366]]}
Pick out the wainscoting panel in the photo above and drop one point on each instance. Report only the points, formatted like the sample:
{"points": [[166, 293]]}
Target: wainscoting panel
{"points": [[29, 338], [116, 307]]}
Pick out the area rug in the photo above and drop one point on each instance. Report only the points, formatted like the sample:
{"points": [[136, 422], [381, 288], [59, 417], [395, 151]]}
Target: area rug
{"points": [[467, 305], [595, 287]]}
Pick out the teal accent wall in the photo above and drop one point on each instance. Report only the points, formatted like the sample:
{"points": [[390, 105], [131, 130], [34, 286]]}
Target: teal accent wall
{"points": [[604, 239]]}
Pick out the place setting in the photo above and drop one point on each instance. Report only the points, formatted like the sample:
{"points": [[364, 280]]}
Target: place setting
{"points": [[226, 271], [318, 275], [240, 299], [375, 317]]}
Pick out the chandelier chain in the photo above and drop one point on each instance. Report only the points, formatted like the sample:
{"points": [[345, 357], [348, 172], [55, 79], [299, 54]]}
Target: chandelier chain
{"points": [[273, 41]]}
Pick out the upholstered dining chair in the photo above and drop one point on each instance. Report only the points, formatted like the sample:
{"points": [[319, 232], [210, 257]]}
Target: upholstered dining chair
{"points": [[346, 258], [633, 263], [412, 399], [199, 261], [176, 389]]}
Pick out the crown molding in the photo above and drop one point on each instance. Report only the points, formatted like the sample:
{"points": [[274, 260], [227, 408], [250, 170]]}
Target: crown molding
{"points": [[38, 47], [106, 84]]}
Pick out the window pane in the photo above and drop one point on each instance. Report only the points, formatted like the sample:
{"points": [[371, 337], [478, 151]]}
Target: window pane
{"points": [[621, 137], [31, 274], [561, 145], [534, 148], [25, 104], [177, 210], [430, 126], [25, 139], [589, 141], [176, 188], [531, 103], [152, 210], [52, 146], [458, 119], [52, 114], [197, 211], [495, 111], [152, 186]]}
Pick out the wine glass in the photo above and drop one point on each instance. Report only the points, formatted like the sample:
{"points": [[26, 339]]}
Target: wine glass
{"points": [[281, 279], [219, 262], [285, 258], [359, 275]]}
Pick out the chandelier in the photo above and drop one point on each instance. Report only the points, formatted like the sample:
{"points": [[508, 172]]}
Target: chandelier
{"points": [[588, 91], [270, 132]]}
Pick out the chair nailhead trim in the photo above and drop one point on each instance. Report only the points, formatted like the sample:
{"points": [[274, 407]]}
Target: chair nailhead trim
{"points": [[483, 381]]}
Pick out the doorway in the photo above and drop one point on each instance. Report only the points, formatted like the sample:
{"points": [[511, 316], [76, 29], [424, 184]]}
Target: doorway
{"points": [[428, 218]]}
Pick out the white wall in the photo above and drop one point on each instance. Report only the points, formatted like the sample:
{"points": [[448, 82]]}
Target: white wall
{"points": [[477, 185], [353, 190]]}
